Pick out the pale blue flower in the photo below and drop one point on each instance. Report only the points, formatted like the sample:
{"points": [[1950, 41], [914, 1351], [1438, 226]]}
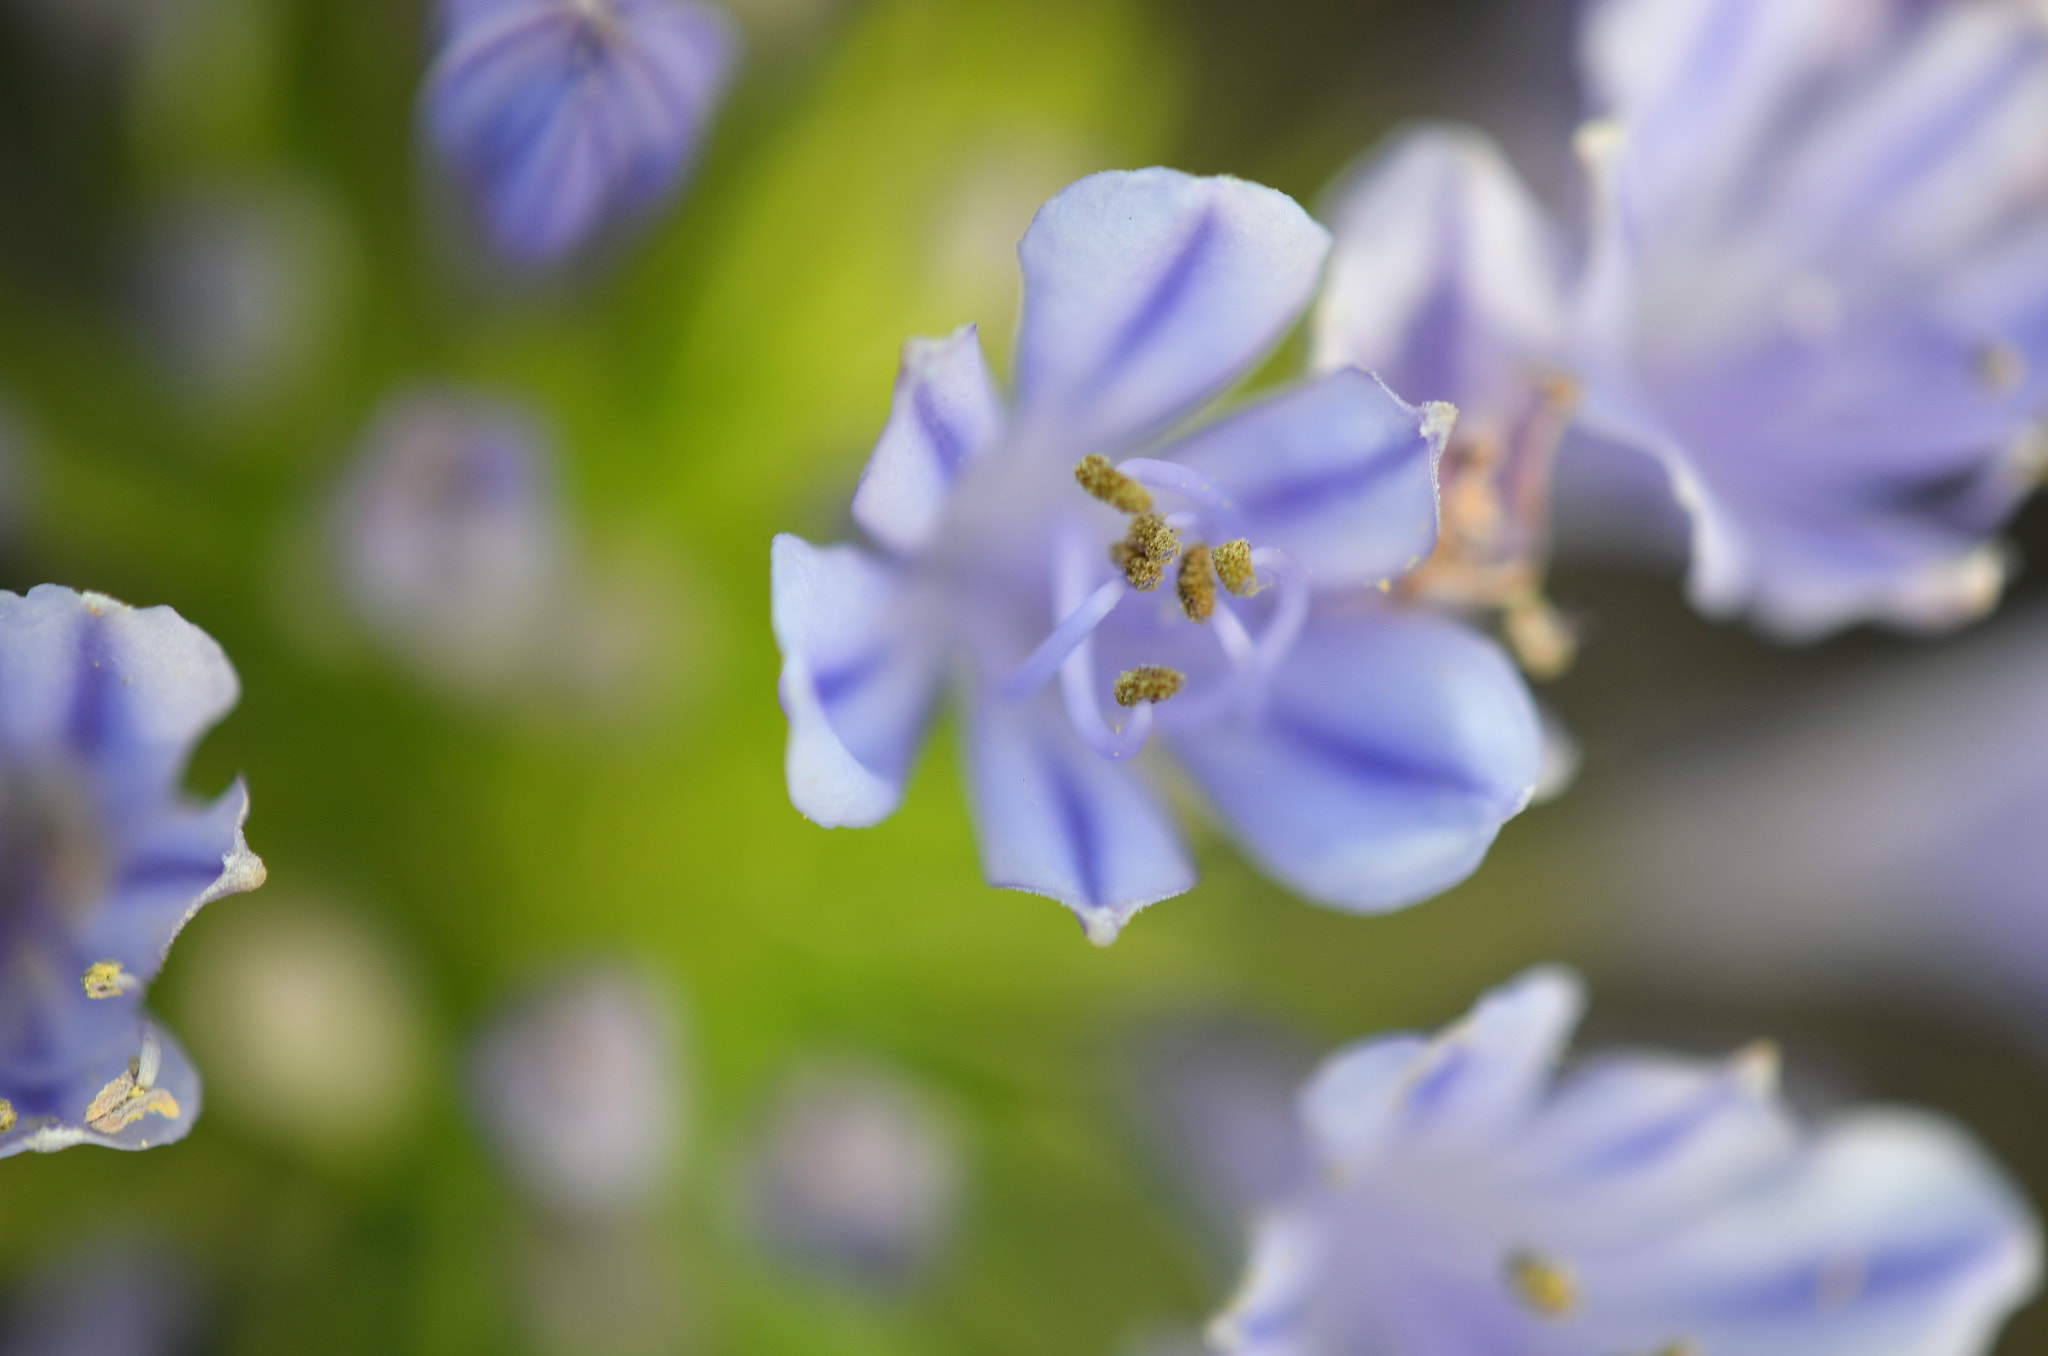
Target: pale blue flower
{"points": [[102, 861], [1471, 1201], [1818, 290], [1363, 754], [563, 117]]}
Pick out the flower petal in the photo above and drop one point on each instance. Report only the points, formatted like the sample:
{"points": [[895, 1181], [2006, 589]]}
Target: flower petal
{"points": [[128, 692], [1147, 292], [1446, 280], [87, 1105], [174, 866], [946, 413], [1391, 749], [858, 680], [1055, 818], [1895, 1237], [1340, 472]]}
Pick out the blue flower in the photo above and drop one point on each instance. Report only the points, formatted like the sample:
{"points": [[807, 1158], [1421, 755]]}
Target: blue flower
{"points": [[563, 116], [102, 861], [1227, 589], [1818, 291], [1448, 281], [1470, 1202]]}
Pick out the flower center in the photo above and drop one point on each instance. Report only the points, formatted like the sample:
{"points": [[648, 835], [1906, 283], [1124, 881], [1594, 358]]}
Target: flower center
{"points": [[1142, 559]]}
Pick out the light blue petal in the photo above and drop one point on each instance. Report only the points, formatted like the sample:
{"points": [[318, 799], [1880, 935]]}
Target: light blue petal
{"points": [[1349, 1107], [1895, 1236], [1057, 819], [1341, 472], [1633, 1146], [1477, 1080], [125, 692], [170, 867], [946, 413], [858, 680], [1446, 281], [1146, 293], [52, 1116], [1391, 749]]}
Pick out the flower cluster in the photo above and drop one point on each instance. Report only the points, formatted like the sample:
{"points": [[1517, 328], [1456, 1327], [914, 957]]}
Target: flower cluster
{"points": [[1470, 1201], [102, 862], [1226, 586]]}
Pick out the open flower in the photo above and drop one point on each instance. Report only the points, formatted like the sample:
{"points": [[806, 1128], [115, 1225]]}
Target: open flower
{"points": [[1818, 291], [1643, 1204], [563, 116], [1225, 589], [1448, 282], [102, 861]]}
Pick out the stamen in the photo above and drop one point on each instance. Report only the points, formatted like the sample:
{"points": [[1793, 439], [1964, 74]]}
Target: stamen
{"points": [[1096, 475], [1053, 650], [1290, 614], [1190, 484], [1197, 584], [1147, 683], [7, 1116], [1144, 555], [1543, 1285], [134, 1094], [1234, 567], [106, 979]]}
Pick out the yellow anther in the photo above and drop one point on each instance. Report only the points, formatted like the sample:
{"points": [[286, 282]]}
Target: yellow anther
{"points": [[127, 1100], [1545, 1286], [1197, 583], [6, 1115], [1233, 562], [1111, 486], [1144, 555], [2002, 366], [106, 979], [1147, 683], [1543, 641]]}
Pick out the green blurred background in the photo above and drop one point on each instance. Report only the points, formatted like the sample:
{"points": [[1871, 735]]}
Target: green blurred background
{"points": [[717, 381]]}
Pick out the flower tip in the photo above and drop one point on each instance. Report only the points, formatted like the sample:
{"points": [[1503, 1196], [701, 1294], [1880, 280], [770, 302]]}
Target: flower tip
{"points": [[1102, 926], [1755, 1068], [1439, 417], [1599, 142]]}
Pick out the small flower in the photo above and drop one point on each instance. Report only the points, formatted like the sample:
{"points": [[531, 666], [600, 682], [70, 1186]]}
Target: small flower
{"points": [[580, 1090], [102, 862], [1363, 754], [563, 116], [1448, 282], [449, 536], [1818, 291], [857, 1179], [1471, 1200]]}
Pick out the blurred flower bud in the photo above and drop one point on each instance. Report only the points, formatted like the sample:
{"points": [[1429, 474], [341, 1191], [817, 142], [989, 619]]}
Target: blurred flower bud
{"points": [[579, 1087], [856, 1178], [112, 1299], [309, 1025], [237, 292], [449, 536], [449, 543]]}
